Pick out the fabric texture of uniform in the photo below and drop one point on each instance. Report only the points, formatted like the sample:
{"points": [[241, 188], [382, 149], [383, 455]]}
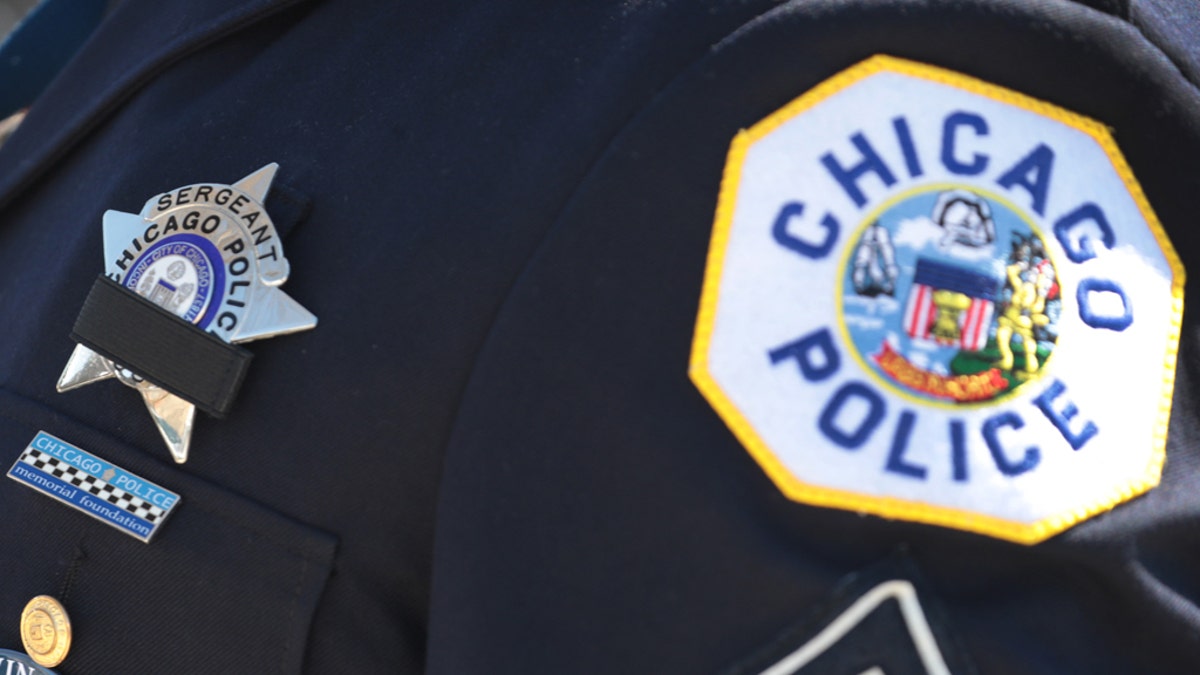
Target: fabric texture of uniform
{"points": [[488, 456]]}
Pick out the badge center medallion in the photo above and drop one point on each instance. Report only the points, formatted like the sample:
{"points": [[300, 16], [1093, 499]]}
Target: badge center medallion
{"points": [[179, 275]]}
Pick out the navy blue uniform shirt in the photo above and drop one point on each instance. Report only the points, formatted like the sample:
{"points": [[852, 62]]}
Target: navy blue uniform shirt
{"points": [[488, 456]]}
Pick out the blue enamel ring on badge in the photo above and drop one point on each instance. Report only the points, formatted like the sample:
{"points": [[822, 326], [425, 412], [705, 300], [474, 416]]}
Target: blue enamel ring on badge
{"points": [[98, 488], [16, 663]]}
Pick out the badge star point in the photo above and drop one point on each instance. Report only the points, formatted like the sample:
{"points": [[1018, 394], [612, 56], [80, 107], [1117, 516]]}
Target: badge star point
{"points": [[84, 368], [258, 184], [275, 313], [119, 228], [174, 418]]}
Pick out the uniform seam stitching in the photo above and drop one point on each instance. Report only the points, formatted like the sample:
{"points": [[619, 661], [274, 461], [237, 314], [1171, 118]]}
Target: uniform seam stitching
{"points": [[1183, 75], [289, 640], [554, 223], [584, 180], [1129, 20]]}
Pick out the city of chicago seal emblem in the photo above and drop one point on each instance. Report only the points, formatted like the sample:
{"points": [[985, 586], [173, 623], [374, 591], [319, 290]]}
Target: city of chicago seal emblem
{"points": [[949, 295], [924, 293]]}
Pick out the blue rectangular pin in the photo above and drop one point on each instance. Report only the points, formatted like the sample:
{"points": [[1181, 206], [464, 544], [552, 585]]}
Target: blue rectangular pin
{"points": [[100, 489]]}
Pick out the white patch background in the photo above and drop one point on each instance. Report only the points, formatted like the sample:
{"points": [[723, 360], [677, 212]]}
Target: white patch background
{"points": [[770, 296]]}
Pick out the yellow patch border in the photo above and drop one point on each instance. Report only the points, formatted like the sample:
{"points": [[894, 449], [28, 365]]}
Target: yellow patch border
{"points": [[890, 507]]}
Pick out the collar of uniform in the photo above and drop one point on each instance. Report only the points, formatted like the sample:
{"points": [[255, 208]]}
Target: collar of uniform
{"points": [[135, 41]]}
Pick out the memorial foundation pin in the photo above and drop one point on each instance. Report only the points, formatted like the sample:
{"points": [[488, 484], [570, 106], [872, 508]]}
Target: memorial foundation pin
{"points": [[208, 265], [46, 631], [99, 488], [923, 294]]}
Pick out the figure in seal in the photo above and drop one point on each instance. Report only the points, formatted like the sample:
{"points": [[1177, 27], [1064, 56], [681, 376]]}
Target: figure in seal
{"points": [[1031, 284]]}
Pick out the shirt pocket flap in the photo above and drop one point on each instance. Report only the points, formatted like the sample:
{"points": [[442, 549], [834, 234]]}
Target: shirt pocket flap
{"points": [[225, 583]]}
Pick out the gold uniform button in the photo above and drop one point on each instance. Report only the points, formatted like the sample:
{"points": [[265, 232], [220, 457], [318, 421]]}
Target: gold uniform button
{"points": [[46, 631]]}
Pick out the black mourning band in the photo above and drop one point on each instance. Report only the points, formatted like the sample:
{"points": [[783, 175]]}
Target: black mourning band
{"points": [[161, 347]]}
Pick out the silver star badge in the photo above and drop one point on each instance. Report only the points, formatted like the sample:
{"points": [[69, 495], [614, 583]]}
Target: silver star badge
{"points": [[210, 254]]}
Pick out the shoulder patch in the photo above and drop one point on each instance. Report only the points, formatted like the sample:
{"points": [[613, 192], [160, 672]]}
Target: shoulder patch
{"points": [[923, 292]]}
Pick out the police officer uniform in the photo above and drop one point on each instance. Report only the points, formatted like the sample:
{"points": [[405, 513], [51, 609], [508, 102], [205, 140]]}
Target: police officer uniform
{"points": [[488, 456]]}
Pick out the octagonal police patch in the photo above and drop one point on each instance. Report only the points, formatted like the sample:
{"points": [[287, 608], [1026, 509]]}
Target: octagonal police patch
{"points": [[935, 299]]}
